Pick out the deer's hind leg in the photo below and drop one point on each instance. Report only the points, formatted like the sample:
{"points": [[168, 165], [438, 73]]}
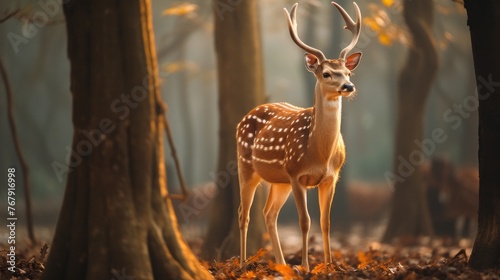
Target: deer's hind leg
{"points": [[249, 181]]}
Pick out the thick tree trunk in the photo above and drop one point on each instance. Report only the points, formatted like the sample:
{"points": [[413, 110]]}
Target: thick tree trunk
{"points": [[241, 87], [409, 215], [115, 220], [484, 23]]}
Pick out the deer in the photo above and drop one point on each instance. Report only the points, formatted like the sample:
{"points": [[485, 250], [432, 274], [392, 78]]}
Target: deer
{"points": [[293, 148]]}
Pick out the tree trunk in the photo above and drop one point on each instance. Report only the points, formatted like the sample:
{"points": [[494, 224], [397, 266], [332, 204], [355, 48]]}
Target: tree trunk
{"points": [[241, 88], [409, 215], [469, 141], [484, 26], [115, 221]]}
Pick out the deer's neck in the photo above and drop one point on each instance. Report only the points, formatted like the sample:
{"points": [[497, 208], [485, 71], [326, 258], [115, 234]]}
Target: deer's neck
{"points": [[325, 127]]}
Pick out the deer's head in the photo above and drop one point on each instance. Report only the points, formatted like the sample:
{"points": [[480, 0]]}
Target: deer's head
{"points": [[332, 75]]}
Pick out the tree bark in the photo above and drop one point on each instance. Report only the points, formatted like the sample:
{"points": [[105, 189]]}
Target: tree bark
{"points": [[484, 24], [115, 221], [241, 88], [409, 215]]}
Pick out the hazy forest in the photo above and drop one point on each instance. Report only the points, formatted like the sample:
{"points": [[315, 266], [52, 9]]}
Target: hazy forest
{"points": [[119, 152]]}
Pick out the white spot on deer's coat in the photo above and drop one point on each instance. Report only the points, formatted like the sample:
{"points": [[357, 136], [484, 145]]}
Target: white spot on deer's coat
{"points": [[301, 155], [267, 161], [245, 160], [250, 135]]}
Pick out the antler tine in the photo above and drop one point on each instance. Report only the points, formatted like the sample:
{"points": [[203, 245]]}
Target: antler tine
{"points": [[292, 27], [354, 27]]}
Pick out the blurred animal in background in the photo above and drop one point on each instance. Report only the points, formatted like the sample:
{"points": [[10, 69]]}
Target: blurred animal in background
{"points": [[453, 195], [368, 202]]}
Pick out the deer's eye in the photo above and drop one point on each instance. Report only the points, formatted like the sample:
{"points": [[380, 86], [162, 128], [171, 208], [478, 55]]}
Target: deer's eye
{"points": [[326, 75]]}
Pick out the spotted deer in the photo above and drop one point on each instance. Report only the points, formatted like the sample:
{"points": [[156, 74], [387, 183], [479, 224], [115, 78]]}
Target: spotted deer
{"points": [[296, 148]]}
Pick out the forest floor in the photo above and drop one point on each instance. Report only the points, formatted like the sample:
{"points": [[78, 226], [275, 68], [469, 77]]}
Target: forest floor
{"points": [[380, 262], [354, 257]]}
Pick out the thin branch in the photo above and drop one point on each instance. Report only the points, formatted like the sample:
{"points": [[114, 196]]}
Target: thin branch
{"points": [[161, 108], [29, 19], [185, 192], [9, 16], [17, 147]]}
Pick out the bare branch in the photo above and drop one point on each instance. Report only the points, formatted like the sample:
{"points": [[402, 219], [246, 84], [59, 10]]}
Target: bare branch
{"points": [[9, 16]]}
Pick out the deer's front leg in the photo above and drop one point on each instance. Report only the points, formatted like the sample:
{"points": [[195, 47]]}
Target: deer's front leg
{"points": [[300, 195], [326, 191], [278, 195]]}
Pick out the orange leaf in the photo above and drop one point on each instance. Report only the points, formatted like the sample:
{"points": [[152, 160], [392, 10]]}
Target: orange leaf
{"points": [[364, 260], [235, 262], [388, 3], [384, 39], [285, 270], [301, 269], [372, 24], [362, 257], [248, 275], [319, 268], [180, 9], [256, 257]]}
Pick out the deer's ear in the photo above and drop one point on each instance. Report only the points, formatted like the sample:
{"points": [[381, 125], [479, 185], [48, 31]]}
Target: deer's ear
{"points": [[311, 62], [353, 60]]}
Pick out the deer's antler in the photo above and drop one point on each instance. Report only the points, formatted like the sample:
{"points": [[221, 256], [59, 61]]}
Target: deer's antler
{"points": [[292, 27], [354, 27]]}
